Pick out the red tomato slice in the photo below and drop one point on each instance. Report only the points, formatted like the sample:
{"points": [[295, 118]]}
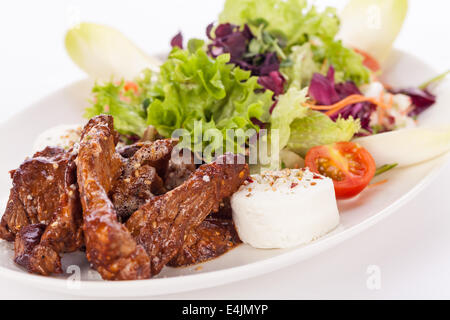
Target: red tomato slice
{"points": [[349, 165], [369, 61]]}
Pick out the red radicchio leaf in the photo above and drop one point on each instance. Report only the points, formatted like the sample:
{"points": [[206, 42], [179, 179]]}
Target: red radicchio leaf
{"points": [[322, 90], [177, 41], [233, 39], [421, 99], [325, 92], [274, 82], [228, 38]]}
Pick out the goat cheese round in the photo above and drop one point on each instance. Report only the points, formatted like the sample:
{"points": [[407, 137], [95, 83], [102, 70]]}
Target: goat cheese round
{"points": [[64, 136], [282, 209]]}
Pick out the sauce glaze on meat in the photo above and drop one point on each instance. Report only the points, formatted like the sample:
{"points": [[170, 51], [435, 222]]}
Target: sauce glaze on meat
{"points": [[63, 201]]}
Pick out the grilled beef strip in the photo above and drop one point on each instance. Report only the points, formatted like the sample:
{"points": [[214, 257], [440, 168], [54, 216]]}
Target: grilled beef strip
{"points": [[30, 254], [214, 236], [178, 171], [211, 239], [44, 194], [141, 177], [163, 224], [42, 228], [110, 248]]}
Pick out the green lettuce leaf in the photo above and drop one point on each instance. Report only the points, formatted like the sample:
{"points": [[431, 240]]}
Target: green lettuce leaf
{"points": [[317, 129], [292, 18], [111, 98], [300, 128], [348, 64], [192, 91], [193, 88], [287, 110], [299, 24], [302, 68]]}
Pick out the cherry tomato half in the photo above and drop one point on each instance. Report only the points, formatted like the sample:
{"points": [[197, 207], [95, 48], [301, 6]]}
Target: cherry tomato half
{"points": [[349, 165]]}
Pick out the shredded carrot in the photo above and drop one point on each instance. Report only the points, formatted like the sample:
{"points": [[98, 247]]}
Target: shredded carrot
{"points": [[377, 183], [381, 112], [352, 99], [391, 101]]}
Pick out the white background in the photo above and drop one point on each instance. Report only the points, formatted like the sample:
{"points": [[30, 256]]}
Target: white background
{"points": [[411, 247]]}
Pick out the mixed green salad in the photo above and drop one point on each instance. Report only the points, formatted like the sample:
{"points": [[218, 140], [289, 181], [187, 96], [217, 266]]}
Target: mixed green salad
{"points": [[269, 64], [252, 71]]}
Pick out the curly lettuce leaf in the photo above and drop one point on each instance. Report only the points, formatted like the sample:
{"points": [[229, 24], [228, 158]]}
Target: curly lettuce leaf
{"points": [[289, 107], [302, 67], [192, 91], [194, 88], [317, 129], [348, 64], [294, 19], [300, 128], [299, 24], [111, 98]]}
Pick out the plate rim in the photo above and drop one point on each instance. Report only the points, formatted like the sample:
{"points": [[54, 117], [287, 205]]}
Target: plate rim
{"points": [[254, 268]]}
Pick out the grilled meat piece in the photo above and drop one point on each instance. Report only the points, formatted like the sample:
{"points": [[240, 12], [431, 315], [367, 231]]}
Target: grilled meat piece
{"points": [[225, 212], [128, 151], [31, 255], [215, 236], [131, 192], [155, 154], [178, 171], [37, 186], [162, 225], [212, 238], [44, 192], [29, 237], [141, 177], [110, 248]]}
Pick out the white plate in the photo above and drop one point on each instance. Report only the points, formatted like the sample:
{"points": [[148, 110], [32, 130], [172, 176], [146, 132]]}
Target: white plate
{"points": [[66, 106]]}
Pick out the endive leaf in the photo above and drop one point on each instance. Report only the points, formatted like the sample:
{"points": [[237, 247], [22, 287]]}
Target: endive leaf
{"points": [[373, 25], [407, 146], [103, 52]]}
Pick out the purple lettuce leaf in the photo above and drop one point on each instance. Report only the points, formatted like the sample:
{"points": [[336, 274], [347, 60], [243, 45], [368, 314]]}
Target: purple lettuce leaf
{"points": [[229, 38], [322, 89], [421, 99], [325, 92], [235, 40], [274, 81], [177, 41]]}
